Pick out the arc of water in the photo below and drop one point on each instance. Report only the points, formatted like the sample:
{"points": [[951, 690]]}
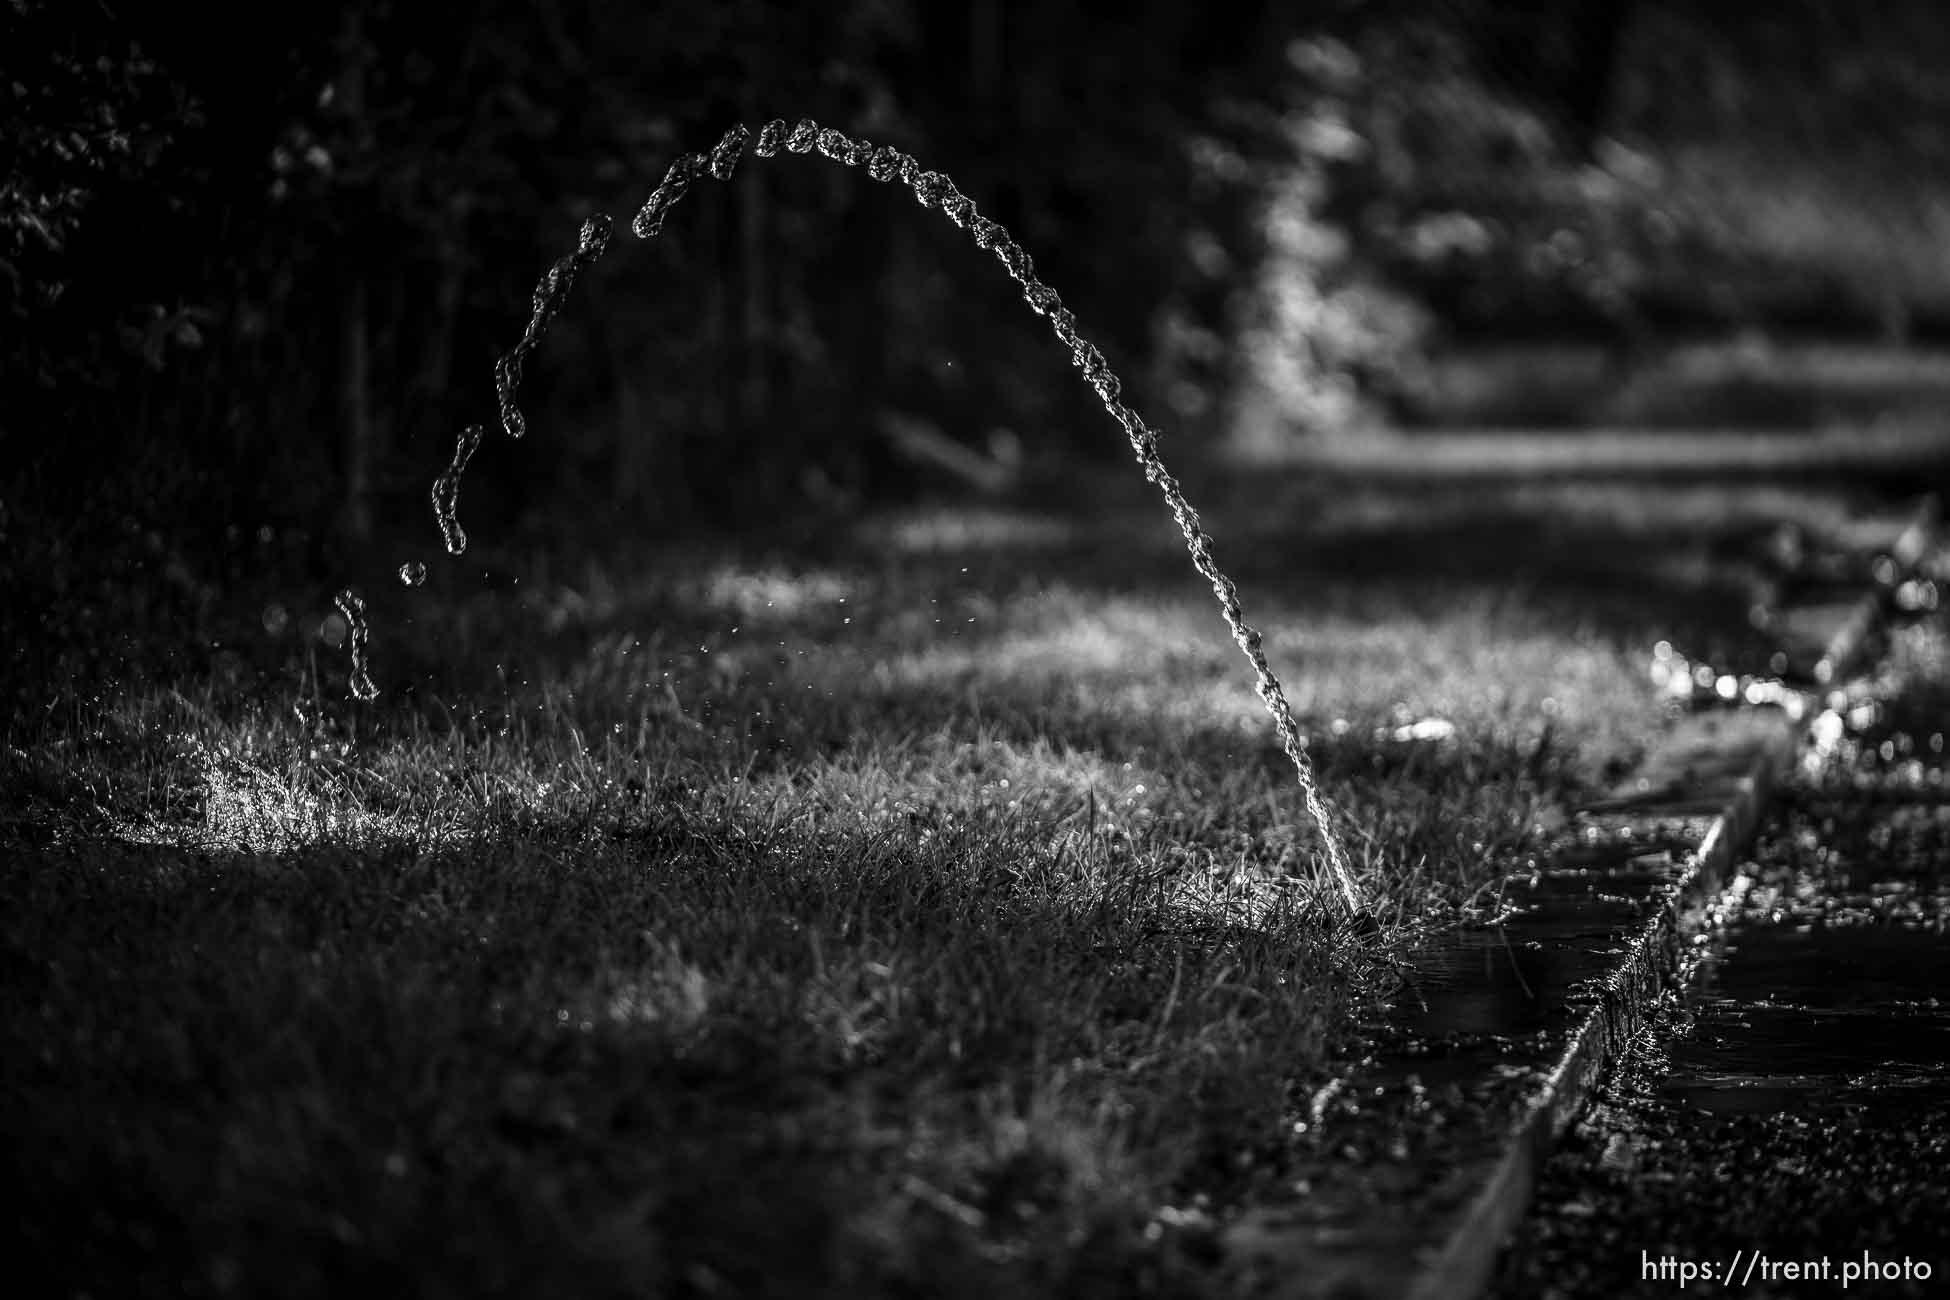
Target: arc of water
{"points": [[932, 190], [550, 293]]}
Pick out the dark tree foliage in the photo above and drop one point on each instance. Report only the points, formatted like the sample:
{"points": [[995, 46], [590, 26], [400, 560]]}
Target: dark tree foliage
{"points": [[90, 127], [303, 244], [285, 259]]}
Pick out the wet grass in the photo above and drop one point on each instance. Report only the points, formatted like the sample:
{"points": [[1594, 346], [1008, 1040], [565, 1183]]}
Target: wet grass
{"points": [[917, 907]]}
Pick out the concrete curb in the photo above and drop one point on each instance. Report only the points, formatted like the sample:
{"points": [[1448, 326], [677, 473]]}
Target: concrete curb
{"points": [[1466, 1263], [1441, 1232]]}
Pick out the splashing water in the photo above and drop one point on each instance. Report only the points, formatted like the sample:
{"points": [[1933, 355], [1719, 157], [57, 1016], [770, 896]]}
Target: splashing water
{"points": [[931, 190], [412, 573], [354, 608], [446, 490]]}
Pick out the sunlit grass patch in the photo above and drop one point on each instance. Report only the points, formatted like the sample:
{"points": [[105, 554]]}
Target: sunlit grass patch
{"points": [[843, 920]]}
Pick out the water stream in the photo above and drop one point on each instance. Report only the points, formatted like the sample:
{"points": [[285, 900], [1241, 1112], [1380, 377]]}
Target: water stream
{"points": [[932, 190]]}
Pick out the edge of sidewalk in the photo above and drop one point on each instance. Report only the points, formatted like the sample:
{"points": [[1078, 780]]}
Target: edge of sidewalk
{"points": [[1465, 1263]]}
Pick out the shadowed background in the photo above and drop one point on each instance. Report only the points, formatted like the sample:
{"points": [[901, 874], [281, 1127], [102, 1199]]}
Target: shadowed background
{"points": [[269, 274]]}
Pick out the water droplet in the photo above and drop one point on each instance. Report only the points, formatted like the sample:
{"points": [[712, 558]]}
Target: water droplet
{"points": [[676, 183], [592, 241], [354, 609], [724, 158], [834, 144], [412, 573], [551, 291], [929, 188], [446, 492], [956, 206]]}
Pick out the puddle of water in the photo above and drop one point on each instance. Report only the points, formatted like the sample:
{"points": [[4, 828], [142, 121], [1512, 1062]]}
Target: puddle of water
{"points": [[1850, 968], [1797, 1015], [1523, 975]]}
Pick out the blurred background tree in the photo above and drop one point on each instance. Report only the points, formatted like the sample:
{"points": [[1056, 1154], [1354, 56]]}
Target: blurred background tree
{"points": [[278, 266]]}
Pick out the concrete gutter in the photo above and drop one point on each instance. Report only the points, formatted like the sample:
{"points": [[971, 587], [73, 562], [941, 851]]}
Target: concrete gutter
{"points": [[1413, 1197]]}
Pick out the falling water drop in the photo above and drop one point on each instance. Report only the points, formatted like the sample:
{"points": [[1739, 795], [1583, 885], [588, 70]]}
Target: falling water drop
{"points": [[834, 143], [446, 493], [412, 573], [884, 163], [354, 609], [592, 238], [551, 291], [725, 156]]}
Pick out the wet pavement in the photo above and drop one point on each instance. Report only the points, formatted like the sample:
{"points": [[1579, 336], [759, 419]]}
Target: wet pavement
{"points": [[1402, 1176], [1782, 1126], [1405, 1175]]}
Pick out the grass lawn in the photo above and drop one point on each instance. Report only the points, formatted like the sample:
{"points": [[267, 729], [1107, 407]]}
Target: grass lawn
{"points": [[922, 906]]}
